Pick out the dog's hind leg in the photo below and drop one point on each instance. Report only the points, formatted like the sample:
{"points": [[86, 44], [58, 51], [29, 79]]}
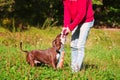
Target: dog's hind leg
{"points": [[30, 59]]}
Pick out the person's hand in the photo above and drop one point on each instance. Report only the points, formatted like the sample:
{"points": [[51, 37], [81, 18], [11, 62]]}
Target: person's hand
{"points": [[64, 33]]}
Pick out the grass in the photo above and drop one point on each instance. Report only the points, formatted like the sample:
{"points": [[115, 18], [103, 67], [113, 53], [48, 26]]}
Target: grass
{"points": [[101, 60]]}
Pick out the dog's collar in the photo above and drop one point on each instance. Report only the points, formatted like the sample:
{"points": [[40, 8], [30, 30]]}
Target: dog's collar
{"points": [[58, 51]]}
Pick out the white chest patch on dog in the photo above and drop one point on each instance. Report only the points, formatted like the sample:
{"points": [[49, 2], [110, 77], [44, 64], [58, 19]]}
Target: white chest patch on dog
{"points": [[57, 56]]}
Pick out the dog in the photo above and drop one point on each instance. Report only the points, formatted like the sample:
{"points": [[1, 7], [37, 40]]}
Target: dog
{"points": [[48, 56]]}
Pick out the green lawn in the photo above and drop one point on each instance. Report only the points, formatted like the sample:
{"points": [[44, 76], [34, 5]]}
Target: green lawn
{"points": [[101, 62]]}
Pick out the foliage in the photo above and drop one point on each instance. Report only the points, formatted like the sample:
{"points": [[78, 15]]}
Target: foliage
{"points": [[98, 2], [32, 11], [6, 6], [106, 13], [35, 12], [101, 59]]}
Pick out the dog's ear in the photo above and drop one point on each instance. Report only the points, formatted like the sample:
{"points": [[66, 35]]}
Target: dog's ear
{"points": [[57, 42], [53, 43]]}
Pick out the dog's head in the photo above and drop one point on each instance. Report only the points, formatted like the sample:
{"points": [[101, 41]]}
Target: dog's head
{"points": [[57, 42]]}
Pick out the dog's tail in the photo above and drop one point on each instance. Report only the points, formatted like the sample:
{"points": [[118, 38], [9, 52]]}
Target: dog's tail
{"points": [[22, 49]]}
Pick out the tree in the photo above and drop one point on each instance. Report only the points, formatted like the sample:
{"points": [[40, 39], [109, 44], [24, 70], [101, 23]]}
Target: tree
{"points": [[38, 12]]}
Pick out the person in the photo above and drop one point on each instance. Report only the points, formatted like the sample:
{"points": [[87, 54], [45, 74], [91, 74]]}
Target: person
{"points": [[78, 19]]}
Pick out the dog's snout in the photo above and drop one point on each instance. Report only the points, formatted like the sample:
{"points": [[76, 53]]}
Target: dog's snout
{"points": [[57, 42]]}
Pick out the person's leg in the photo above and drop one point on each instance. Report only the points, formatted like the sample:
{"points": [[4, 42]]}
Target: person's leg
{"points": [[74, 51], [78, 46]]}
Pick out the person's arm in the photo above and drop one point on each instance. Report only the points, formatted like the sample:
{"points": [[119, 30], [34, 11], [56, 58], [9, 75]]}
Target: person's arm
{"points": [[67, 17], [81, 14]]}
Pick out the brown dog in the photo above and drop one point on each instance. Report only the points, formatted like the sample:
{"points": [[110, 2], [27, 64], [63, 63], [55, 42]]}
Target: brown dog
{"points": [[44, 56]]}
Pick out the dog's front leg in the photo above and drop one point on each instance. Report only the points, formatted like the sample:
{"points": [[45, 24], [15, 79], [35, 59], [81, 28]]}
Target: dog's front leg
{"points": [[53, 63]]}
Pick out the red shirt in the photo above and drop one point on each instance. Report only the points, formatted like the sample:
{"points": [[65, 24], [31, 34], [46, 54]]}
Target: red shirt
{"points": [[77, 11]]}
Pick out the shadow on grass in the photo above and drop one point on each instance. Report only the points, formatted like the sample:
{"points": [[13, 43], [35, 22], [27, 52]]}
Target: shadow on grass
{"points": [[42, 65], [89, 66]]}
